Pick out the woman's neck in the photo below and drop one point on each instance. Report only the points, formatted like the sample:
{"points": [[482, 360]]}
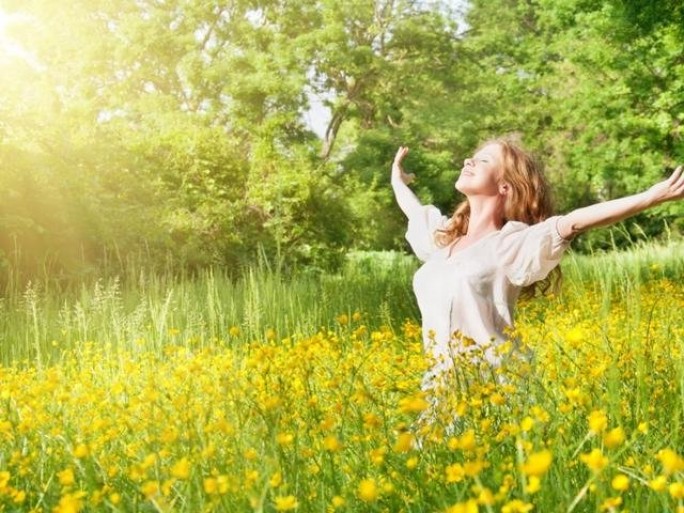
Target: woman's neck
{"points": [[486, 215]]}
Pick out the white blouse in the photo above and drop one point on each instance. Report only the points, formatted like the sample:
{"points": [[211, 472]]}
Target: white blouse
{"points": [[473, 291]]}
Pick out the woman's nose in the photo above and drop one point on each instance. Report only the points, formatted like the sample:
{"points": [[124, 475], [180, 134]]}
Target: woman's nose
{"points": [[467, 162]]}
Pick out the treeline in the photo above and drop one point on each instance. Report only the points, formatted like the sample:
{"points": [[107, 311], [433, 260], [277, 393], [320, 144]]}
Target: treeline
{"points": [[174, 132]]}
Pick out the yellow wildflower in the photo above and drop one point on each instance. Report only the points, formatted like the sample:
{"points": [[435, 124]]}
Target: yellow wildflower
{"points": [[598, 421], [287, 503], [70, 503], [81, 451], [538, 463], [284, 438], [332, 444], [66, 477], [473, 468], [527, 424], [276, 480], [676, 490], [620, 482], [614, 438], [611, 503], [469, 506], [595, 460], [533, 485], [671, 461], [516, 506], [404, 442], [181, 469], [467, 442], [455, 473], [659, 484], [413, 404], [368, 490], [149, 489]]}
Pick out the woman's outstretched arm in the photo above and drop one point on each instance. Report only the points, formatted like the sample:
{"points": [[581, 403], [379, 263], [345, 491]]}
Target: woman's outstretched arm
{"points": [[609, 212], [408, 202]]}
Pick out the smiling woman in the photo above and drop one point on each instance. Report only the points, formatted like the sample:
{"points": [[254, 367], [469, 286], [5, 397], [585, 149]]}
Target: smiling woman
{"points": [[501, 241]]}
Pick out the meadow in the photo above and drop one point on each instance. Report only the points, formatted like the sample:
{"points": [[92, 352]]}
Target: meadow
{"points": [[266, 393]]}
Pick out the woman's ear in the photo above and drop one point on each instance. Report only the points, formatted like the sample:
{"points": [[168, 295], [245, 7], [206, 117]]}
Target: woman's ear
{"points": [[504, 188]]}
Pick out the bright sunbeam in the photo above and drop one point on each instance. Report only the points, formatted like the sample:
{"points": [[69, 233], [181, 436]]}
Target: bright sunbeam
{"points": [[10, 49]]}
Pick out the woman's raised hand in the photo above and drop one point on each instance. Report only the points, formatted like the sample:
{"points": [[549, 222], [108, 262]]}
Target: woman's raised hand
{"points": [[397, 171], [671, 188]]}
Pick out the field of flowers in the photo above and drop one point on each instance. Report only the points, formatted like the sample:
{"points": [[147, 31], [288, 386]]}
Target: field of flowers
{"points": [[211, 416]]}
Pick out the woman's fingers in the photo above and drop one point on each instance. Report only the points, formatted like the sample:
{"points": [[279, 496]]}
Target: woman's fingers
{"points": [[401, 153], [677, 184]]}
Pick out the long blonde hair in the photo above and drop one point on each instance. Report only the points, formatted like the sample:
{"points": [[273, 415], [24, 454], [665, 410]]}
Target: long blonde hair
{"points": [[528, 201]]}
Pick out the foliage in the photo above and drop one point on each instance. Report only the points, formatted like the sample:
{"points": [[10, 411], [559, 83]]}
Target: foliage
{"points": [[174, 132]]}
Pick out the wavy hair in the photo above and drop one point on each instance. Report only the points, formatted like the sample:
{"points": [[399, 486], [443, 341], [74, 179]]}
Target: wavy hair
{"points": [[528, 201]]}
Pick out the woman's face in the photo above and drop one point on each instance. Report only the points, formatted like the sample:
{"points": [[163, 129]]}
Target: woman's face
{"points": [[481, 174]]}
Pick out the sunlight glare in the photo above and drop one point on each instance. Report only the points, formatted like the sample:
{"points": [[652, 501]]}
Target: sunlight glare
{"points": [[10, 50]]}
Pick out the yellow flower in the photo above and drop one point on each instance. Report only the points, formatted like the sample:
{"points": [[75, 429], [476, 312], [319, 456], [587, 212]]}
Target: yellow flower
{"points": [[234, 331], [276, 480], [614, 438], [70, 503], [659, 484], [473, 468], [332, 444], [516, 506], [181, 469], [533, 485], [620, 482], [455, 473], [467, 442], [404, 442], [338, 501], [469, 506], [485, 496], [575, 335], [595, 460], [149, 489], [18, 496], [676, 490], [81, 451], [210, 485], [598, 421], [286, 503], [413, 404], [538, 463], [368, 490], [284, 438], [66, 477], [611, 503], [671, 461], [527, 424], [411, 463]]}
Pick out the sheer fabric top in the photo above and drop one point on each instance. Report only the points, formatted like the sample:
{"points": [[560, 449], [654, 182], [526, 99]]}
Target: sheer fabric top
{"points": [[472, 292]]}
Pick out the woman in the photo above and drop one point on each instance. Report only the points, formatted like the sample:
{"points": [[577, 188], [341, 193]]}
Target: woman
{"points": [[501, 240]]}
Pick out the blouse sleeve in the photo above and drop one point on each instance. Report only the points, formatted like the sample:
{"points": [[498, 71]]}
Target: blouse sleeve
{"points": [[529, 253], [420, 234]]}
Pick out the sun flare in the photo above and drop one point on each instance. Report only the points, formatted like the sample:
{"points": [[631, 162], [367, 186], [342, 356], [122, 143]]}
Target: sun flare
{"points": [[10, 49]]}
